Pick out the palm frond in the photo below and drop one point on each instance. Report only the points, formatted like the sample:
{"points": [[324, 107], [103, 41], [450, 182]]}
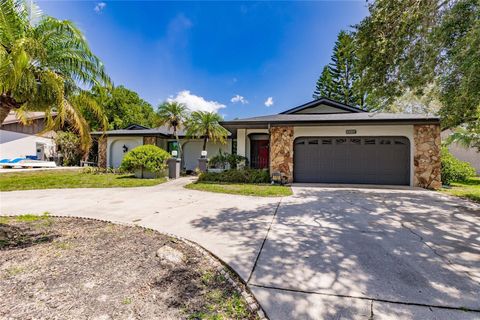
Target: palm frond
{"points": [[203, 124]]}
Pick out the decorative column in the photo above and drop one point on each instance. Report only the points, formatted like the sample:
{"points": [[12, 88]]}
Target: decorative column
{"points": [[427, 165], [150, 140], [281, 151], [102, 152]]}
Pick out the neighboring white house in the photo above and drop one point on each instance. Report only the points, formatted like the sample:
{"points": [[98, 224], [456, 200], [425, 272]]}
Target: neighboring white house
{"points": [[469, 155], [19, 140]]}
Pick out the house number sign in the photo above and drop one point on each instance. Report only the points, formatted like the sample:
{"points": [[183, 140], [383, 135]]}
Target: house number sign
{"points": [[351, 131]]}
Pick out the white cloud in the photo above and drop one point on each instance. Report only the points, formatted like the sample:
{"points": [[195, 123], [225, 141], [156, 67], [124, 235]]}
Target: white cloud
{"points": [[99, 7], [269, 102], [238, 98], [196, 103]]}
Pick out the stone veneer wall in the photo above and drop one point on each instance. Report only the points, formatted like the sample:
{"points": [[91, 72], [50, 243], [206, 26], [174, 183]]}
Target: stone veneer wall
{"points": [[281, 151], [102, 152], [427, 165], [150, 140]]}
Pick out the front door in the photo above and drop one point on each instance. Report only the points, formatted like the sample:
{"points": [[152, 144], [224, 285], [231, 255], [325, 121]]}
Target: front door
{"points": [[259, 154]]}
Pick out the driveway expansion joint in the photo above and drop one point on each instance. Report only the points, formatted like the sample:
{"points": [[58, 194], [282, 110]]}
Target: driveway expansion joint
{"points": [[365, 298], [447, 260], [264, 240]]}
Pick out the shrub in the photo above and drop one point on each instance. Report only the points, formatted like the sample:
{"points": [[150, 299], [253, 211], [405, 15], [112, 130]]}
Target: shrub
{"points": [[237, 176], [147, 157], [68, 144], [454, 170], [223, 158]]}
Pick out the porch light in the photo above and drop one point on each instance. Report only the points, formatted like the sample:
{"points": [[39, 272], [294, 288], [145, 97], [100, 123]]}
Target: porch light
{"points": [[204, 153], [125, 148], [174, 153]]}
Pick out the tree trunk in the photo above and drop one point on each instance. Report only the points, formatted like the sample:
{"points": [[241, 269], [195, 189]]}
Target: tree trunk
{"points": [[205, 143], [180, 151], [7, 104]]}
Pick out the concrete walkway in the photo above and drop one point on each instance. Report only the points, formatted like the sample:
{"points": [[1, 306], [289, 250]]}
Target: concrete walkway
{"points": [[323, 253]]}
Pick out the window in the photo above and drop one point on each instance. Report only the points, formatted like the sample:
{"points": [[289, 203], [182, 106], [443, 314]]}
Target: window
{"points": [[384, 141], [234, 146], [313, 142], [326, 141], [370, 141], [340, 141], [399, 142]]}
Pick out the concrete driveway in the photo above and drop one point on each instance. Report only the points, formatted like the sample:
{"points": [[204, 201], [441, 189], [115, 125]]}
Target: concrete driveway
{"points": [[323, 253], [370, 254]]}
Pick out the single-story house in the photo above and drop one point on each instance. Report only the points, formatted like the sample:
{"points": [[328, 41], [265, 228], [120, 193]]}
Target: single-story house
{"points": [[114, 144], [322, 141], [18, 140]]}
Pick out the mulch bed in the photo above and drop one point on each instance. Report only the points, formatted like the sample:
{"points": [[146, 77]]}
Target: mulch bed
{"points": [[68, 268]]}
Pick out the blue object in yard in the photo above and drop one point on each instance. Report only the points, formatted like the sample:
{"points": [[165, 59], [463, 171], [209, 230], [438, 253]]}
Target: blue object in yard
{"points": [[32, 157], [5, 161], [16, 160]]}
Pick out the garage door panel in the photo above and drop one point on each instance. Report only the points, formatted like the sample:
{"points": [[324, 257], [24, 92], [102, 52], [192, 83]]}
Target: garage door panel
{"points": [[369, 160]]}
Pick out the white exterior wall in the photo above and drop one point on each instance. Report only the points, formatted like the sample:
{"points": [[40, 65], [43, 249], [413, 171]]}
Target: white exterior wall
{"points": [[16, 144], [192, 151], [243, 142], [115, 145], [362, 130]]}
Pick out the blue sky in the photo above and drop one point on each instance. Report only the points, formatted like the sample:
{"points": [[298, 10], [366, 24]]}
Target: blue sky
{"points": [[238, 58]]}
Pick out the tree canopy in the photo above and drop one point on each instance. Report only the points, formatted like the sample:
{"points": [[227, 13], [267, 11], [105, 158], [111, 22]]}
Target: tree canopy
{"points": [[122, 107], [408, 45], [45, 64], [206, 125], [340, 79]]}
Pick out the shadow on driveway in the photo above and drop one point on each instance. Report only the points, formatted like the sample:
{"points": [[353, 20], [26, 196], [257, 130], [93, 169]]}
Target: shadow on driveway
{"points": [[354, 253]]}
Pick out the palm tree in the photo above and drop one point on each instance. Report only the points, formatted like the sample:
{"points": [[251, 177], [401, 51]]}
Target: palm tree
{"points": [[206, 125], [45, 65], [173, 114]]}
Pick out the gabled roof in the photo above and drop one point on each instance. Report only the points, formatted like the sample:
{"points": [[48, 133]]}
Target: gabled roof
{"points": [[323, 101], [135, 126]]}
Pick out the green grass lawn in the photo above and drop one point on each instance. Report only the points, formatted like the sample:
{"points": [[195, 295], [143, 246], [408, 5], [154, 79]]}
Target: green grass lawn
{"points": [[469, 189], [70, 179], [260, 190]]}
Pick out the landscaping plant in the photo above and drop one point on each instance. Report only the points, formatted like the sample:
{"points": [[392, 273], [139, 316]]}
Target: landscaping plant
{"points": [[454, 170], [206, 125], [147, 158], [236, 176], [68, 144], [222, 159]]}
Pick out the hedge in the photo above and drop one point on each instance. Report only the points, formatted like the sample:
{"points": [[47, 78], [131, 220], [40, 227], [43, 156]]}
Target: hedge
{"points": [[454, 170], [237, 176]]}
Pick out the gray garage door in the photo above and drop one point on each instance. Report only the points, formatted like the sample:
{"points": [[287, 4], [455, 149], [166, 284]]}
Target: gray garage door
{"points": [[369, 160]]}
